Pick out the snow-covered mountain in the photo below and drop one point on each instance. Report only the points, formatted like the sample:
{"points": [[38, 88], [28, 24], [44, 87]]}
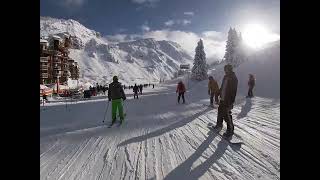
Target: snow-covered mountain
{"points": [[140, 61]]}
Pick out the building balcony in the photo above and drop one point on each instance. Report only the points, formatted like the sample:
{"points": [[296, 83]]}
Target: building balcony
{"points": [[57, 68], [44, 59], [43, 67], [44, 75], [57, 61], [56, 73]]}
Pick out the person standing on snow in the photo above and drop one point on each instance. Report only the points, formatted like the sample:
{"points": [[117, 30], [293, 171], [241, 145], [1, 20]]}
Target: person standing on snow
{"points": [[181, 89], [228, 92], [213, 90], [135, 91], [140, 88], [116, 94], [251, 84]]}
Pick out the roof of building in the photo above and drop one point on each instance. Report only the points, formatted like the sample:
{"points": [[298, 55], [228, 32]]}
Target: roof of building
{"points": [[56, 37], [43, 41]]}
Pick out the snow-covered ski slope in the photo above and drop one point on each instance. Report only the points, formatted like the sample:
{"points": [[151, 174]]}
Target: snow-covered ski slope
{"points": [[161, 140]]}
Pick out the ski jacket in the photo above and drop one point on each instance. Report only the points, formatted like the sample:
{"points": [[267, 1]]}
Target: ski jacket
{"points": [[135, 89], [229, 86], [251, 82], [213, 87], [180, 88], [116, 91]]}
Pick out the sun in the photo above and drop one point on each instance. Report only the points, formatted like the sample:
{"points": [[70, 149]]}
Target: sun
{"points": [[256, 35]]}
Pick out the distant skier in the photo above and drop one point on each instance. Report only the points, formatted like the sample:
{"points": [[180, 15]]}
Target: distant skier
{"points": [[104, 90], [228, 91], [116, 94], [181, 89], [251, 84], [135, 91], [140, 88], [213, 90], [44, 99], [152, 86]]}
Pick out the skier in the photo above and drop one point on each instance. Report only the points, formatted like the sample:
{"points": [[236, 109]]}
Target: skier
{"points": [[228, 91], [44, 98], [152, 86], [135, 91], [213, 90], [181, 90], [251, 84], [116, 94], [104, 90], [140, 88]]}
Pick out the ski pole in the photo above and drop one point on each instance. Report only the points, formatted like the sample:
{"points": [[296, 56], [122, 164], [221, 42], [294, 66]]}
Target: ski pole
{"points": [[125, 108], [106, 112]]}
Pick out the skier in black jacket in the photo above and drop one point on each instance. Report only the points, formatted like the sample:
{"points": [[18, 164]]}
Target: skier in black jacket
{"points": [[228, 91], [135, 91]]}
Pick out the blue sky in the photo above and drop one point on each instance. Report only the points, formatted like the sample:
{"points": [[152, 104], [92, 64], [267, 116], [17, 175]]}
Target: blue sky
{"points": [[122, 19]]}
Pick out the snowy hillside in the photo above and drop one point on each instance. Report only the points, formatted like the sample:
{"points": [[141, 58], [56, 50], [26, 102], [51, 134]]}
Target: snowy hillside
{"points": [[140, 61]]}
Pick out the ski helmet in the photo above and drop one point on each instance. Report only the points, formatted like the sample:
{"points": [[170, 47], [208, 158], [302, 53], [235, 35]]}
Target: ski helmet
{"points": [[228, 67], [115, 78]]}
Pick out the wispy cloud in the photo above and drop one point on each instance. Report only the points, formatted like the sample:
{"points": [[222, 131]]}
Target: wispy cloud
{"points": [[178, 21], [145, 27], [169, 23], [147, 3], [121, 30], [189, 13], [186, 22], [73, 3]]}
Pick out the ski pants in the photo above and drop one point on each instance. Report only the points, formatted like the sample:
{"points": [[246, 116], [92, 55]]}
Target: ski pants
{"points": [[117, 106], [216, 99], [250, 94], [224, 113], [181, 94], [135, 95]]}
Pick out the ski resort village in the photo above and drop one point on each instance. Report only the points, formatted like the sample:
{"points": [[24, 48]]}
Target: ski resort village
{"points": [[164, 100]]}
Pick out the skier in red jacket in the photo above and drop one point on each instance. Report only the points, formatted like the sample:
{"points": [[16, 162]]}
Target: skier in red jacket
{"points": [[181, 89]]}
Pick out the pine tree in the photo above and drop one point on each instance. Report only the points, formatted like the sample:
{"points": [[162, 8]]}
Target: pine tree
{"points": [[200, 67], [234, 49]]}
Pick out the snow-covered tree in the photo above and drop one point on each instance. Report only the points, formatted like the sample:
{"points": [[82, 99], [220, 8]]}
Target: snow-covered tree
{"points": [[200, 67], [234, 49]]}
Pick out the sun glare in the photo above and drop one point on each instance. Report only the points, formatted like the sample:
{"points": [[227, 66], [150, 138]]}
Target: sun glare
{"points": [[255, 35]]}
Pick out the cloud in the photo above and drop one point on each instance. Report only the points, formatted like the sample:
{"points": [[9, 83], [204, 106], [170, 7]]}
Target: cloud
{"points": [[121, 30], [189, 13], [145, 27], [73, 3], [147, 3], [214, 42], [116, 38], [179, 21], [169, 23], [186, 22]]}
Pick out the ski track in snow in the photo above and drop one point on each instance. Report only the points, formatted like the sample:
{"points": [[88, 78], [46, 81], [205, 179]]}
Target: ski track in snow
{"points": [[161, 140]]}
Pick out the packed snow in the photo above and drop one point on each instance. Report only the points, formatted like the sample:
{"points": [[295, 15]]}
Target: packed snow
{"points": [[165, 140]]}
